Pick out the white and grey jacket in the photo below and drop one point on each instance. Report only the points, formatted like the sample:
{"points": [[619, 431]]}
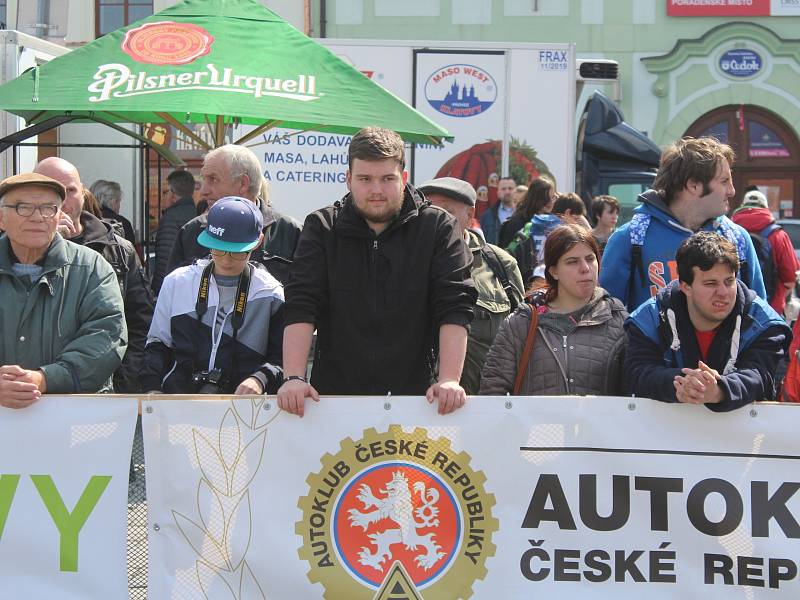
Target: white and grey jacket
{"points": [[179, 344]]}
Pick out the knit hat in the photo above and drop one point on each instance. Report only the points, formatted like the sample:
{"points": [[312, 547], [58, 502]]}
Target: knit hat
{"points": [[457, 189], [755, 199], [234, 225]]}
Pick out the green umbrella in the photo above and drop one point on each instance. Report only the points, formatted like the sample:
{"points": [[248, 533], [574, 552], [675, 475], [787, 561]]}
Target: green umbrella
{"points": [[219, 62]]}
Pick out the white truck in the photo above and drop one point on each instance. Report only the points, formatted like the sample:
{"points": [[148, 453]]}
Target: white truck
{"points": [[18, 53], [511, 109]]}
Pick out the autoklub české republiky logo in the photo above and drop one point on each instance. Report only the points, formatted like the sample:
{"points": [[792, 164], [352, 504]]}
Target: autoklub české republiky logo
{"points": [[396, 513]]}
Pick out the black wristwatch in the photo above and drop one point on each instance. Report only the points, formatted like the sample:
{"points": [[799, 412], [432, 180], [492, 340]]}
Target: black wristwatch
{"points": [[296, 378]]}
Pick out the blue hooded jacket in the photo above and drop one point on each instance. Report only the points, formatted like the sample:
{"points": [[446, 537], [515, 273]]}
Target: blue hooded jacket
{"points": [[745, 350], [663, 237]]}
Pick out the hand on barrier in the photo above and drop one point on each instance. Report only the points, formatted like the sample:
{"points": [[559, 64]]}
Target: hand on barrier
{"points": [[19, 387], [449, 395], [292, 396], [249, 387], [698, 386]]}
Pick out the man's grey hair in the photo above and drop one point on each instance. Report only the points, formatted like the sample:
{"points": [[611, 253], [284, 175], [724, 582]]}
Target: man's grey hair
{"points": [[107, 193], [240, 161]]}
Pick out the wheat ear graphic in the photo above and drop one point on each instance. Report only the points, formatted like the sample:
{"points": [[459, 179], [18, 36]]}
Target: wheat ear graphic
{"points": [[220, 534]]}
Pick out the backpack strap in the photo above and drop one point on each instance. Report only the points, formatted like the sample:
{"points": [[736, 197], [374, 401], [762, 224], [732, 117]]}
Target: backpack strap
{"points": [[492, 259], [637, 230], [769, 230], [522, 367], [735, 236]]}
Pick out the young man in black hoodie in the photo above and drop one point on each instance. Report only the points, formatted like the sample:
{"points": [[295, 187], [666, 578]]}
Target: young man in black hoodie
{"points": [[384, 278]]}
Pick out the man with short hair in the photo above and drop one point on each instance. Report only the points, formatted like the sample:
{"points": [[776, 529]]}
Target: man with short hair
{"points": [[706, 338], [494, 272], [232, 170], [109, 195], [62, 330], [774, 244], [383, 276], [496, 215], [691, 193], [83, 228], [180, 210], [218, 325]]}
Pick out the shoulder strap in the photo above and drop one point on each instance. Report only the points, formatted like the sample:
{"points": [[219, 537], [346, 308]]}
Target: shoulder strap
{"points": [[489, 254], [637, 230], [769, 230], [735, 236], [526, 351]]}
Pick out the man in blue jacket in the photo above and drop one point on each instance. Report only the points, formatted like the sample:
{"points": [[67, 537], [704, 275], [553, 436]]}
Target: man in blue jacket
{"points": [[706, 338], [690, 194]]}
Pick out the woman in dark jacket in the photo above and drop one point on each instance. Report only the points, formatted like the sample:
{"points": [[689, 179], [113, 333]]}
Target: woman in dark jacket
{"points": [[540, 198], [579, 342]]}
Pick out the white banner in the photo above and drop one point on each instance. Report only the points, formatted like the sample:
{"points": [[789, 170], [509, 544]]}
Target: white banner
{"points": [[63, 497], [507, 498]]}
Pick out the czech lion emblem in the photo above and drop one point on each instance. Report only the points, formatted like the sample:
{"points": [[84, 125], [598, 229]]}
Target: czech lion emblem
{"points": [[398, 507]]}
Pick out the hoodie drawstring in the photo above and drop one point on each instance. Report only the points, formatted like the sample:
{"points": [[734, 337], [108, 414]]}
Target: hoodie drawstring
{"points": [[676, 341], [729, 366]]}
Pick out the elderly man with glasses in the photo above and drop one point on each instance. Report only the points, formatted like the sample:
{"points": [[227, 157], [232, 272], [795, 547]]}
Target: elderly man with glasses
{"points": [[62, 326]]}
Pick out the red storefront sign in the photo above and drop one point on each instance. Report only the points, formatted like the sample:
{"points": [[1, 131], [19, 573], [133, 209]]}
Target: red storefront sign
{"points": [[718, 8]]}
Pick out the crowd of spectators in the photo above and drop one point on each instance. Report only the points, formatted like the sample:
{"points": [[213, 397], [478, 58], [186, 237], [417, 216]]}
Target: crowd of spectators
{"points": [[393, 288]]}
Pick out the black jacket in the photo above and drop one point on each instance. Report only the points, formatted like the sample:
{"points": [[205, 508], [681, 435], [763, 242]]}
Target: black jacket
{"points": [[127, 227], [280, 240], [119, 252], [509, 229], [169, 226], [378, 301]]}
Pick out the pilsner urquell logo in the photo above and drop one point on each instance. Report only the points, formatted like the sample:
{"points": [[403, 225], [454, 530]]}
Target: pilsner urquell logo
{"points": [[396, 514], [167, 43]]}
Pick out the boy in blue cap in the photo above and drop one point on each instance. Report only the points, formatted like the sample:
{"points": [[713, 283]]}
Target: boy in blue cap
{"points": [[218, 323]]}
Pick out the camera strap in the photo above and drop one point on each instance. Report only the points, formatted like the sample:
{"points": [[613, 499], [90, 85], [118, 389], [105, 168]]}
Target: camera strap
{"points": [[240, 300]]}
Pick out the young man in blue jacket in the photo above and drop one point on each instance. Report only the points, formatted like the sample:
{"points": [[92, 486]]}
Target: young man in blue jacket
{"points": [[706, 338], [691, 193]]}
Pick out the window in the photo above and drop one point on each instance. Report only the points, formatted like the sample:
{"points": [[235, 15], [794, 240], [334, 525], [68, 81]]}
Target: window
{"points": [[113, 14], [3, 8]]}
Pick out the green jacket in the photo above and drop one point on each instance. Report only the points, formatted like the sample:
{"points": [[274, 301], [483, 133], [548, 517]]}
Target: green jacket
{"points": [[70, 323], [492, 308]]}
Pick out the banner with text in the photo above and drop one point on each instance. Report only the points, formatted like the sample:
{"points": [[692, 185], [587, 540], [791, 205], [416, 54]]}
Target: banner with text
{"points": [[380, 498], [63, 497]]}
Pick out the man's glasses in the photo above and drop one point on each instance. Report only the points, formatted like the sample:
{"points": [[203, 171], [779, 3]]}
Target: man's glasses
{"points": [[26, 209], [234, 255]]}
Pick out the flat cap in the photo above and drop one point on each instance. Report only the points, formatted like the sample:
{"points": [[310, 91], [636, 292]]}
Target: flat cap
{"points": [[457, 189], [22, 179]]}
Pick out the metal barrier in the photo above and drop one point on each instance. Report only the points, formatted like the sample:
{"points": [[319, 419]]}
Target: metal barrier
{"points": [[137, 520]]}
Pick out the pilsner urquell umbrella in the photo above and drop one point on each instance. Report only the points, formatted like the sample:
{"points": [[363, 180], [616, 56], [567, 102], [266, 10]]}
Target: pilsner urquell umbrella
{"points": [[219, 62]]}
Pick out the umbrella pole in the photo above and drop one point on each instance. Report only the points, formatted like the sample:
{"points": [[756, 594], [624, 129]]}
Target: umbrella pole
{"points": [[219, 131], [185, 130]]}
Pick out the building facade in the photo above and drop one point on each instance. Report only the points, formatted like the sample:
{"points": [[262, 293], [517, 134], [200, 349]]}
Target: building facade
{"points": [[728, 69]]}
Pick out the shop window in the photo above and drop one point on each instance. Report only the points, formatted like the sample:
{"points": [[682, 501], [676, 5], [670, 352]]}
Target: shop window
{"points": [[113, 14], [764, 142], [718, 131]]}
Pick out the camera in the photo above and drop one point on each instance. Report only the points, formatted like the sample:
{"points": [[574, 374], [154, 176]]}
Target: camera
{"points": [[209, 382]]}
